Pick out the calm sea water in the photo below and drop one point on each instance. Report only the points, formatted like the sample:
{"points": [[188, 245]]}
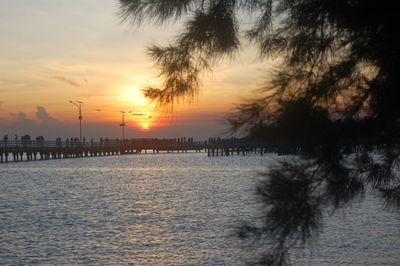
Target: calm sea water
{"points": [[163, 209]]}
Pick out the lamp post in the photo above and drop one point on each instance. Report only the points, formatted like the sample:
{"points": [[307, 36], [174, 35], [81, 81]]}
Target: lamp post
{"points": [[123, 123], [78, 104]]}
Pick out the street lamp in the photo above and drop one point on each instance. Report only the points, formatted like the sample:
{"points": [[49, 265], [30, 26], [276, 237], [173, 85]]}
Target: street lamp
{"points": [[123, 123], [78, 104]]}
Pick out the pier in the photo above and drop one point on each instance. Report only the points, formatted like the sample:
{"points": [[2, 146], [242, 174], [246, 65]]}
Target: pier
{"points": [[235, 146], [32, 150]]}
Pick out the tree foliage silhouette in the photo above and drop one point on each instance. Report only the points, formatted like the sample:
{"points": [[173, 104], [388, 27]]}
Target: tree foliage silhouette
{"points": [[333, 100]]}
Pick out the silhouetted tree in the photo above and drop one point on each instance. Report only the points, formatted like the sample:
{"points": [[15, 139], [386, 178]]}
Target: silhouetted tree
{"points": [[333, 99]]}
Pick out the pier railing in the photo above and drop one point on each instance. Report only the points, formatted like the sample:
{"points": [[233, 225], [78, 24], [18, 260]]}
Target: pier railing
{"points": [[21, 150], [41, 149]]}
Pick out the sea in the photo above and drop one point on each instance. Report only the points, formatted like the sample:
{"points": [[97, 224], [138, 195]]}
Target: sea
{"points": [[166, 209]]}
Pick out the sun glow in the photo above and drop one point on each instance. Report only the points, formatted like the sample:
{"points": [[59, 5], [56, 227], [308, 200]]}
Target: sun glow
{"points": [[145, 126], [142, 110], [136, 97]]}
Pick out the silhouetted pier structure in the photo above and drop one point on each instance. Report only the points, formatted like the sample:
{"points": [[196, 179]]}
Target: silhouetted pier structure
{"points": [[31, 150], [235, 146], [19, 150]]}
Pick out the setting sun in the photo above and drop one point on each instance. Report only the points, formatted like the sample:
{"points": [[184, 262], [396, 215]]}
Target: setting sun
{"points": [[142, 109], [145, 126]]}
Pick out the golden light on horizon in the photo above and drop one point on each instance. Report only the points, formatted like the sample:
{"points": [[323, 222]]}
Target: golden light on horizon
{"points": [[142, 110], [141, 121], [145, 126]]}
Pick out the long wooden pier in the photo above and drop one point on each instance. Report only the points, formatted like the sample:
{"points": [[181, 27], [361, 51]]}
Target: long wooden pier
{"points": [[31, 150], [19, 150]]}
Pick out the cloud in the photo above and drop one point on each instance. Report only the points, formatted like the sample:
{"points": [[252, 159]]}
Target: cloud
{"points": [[96, 94], [66, 80], [22, 116], [43, 115]]}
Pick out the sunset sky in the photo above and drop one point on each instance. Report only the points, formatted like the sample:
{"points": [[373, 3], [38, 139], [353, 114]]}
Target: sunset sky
{"points": [[53, 51]]}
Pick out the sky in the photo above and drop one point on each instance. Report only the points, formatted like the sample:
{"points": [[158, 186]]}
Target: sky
{"points": [[56, 51]]}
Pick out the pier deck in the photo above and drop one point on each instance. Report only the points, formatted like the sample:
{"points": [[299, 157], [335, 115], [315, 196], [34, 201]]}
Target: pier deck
{"points": [[30, 150], [17, 150]]}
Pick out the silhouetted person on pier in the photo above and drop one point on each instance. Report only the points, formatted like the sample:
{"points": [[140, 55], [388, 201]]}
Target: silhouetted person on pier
{"points": [[40, 140], [25, 140], [58, 142], [5, 140]]}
